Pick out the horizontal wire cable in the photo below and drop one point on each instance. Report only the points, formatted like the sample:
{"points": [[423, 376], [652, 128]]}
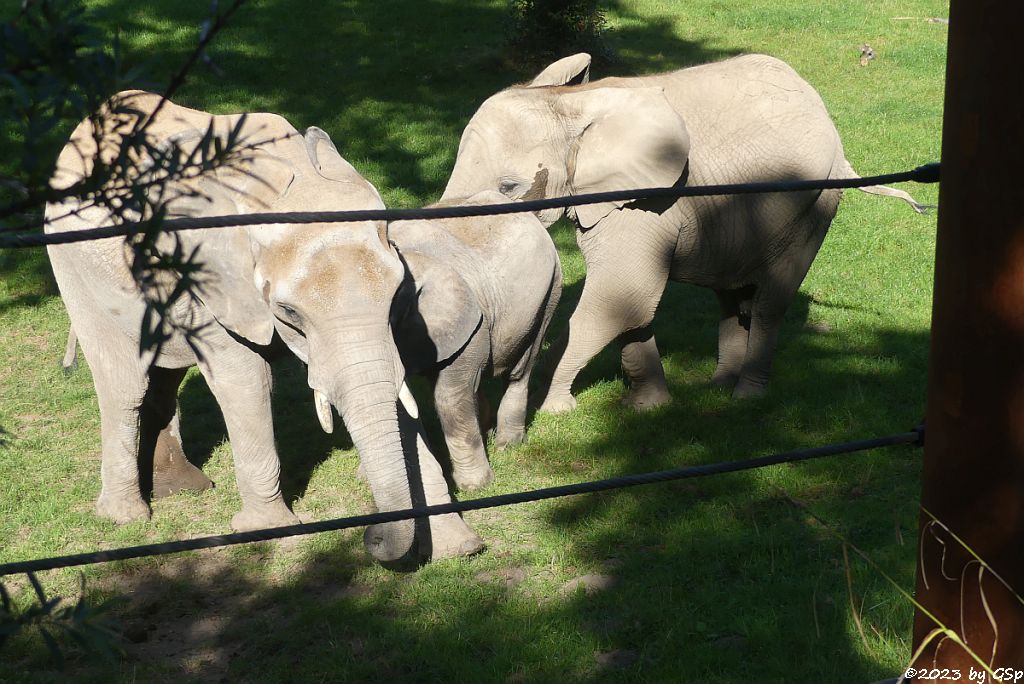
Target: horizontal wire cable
{"points": [[928, 173], [146, 550]]}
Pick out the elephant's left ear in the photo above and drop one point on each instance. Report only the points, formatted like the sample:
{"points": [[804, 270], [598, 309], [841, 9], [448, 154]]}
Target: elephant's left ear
{"points": [[435, 313], [631, 138]]}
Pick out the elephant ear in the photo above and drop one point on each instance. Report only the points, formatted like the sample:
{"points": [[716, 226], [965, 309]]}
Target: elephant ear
{"points": [[226, 280], [325, 157], [329, 163], [571, 70], [631, 138], [435, 313]]}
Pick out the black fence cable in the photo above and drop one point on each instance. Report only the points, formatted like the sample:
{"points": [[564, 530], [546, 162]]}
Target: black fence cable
{"points": [[928, 173], [915, 437]]}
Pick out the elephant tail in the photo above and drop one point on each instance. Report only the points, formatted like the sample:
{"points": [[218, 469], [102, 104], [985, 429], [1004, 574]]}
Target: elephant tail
{"points": [[69, 364], [846, 171]]}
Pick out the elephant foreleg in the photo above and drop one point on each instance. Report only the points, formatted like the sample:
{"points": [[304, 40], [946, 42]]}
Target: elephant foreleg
{"points": [[621, 294], [240, 380], [440, 536], [642, 365]]}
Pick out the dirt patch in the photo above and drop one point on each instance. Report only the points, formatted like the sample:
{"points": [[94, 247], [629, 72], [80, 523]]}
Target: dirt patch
{"points": [[591, 584], [509, 577], [192, 616]]}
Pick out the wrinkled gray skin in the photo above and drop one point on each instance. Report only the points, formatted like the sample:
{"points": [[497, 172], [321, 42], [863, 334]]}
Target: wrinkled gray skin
{"points": [[750, 118], [331, 283], [486, 287]]}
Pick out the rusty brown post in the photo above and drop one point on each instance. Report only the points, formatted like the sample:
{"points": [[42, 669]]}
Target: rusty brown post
{"points": [[973, 474]]}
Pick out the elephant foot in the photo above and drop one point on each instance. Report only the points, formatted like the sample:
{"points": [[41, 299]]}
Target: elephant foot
{"points": [[451, 537], [473, 479], [392, 543], [257, 518], [504, 439], [724, 379], [122, 509], [181, 475], [746, 389], [646, 397], [558, 403]]}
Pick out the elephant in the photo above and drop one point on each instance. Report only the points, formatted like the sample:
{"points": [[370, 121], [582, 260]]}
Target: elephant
{"points": [[259, 284], [486, 286], [746, 119]]}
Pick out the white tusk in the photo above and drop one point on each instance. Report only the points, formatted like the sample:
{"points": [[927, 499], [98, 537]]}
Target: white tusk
{"points": [[405, 396], [324, 412]]}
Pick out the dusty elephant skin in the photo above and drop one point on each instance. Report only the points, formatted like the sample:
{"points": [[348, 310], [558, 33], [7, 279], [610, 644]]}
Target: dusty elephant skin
{"points": [[750, 118], [257, 280], [479, 296]]}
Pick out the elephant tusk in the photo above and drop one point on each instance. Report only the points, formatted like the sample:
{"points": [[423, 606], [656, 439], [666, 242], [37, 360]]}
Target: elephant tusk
{"points": [[324, 412], [405, 396]]}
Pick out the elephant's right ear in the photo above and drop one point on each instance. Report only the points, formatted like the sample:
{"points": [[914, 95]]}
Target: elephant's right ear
{"points": [[227, 288], [435, 313], [630, 138], [571, 70]]}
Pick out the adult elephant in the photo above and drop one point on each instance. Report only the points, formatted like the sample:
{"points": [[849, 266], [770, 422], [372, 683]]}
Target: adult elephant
{"points": [[750, 118], [250, 285]]}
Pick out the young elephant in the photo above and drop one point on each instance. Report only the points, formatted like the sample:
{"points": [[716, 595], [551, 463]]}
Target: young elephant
{"points": [[486, 286], [327, 289], [751, 118]]}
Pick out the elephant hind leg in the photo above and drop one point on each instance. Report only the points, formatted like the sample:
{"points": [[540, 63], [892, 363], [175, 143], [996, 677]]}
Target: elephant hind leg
{"points": [[162, 462], [121, 384], [733, 334], [455, 398], [775, 290], [511, 427]]}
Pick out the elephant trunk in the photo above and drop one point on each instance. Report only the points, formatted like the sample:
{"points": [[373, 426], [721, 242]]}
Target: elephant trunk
{"points": [[361, 383]]}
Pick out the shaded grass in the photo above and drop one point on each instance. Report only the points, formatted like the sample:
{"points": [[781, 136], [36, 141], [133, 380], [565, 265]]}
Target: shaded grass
{"points": [[718, 579]]}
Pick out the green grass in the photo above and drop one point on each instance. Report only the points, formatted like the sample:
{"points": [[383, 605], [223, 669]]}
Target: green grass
{"points": [[716, 580]]}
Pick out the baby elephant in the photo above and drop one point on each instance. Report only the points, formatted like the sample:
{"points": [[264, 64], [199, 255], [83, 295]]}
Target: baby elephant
{"points": [[486, 286]]}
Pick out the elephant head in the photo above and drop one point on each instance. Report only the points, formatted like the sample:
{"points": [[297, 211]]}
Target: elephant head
{"points": [[560, 135]]}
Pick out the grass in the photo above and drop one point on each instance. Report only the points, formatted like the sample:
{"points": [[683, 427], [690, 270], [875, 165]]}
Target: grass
{"points": [[717, 579]]}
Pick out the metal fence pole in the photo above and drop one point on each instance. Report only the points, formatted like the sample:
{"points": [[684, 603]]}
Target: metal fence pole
{"points": [[973, 473]]}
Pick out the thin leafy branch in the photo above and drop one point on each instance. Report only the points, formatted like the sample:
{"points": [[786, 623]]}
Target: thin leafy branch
{"points": [[55, 621]]}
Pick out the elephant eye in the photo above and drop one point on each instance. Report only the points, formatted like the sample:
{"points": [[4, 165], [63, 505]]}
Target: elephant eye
{"points": [[289, 313], [509, 187]]}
